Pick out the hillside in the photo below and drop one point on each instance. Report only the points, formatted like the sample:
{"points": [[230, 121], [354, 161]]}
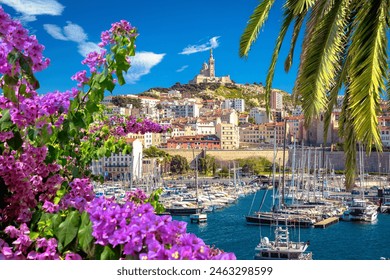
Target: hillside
{"points": [[253, 94]]}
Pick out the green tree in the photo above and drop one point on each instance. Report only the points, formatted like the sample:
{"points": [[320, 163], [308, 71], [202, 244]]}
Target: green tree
{"points": [[257, 165], [163, 158], [207, 165], [344, 49], [154, 152], [224, 172], [179, 164]]}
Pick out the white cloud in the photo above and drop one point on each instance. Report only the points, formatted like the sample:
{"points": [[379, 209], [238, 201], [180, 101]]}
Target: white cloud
{"points": [[181, 69], [141, 64], [31, 8], [87, 47], [55, 31], [75, 33], [72, 32], [211, 44]]}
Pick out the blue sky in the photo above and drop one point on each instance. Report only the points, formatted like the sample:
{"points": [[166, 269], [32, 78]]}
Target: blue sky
{"points": [[174, 41]]}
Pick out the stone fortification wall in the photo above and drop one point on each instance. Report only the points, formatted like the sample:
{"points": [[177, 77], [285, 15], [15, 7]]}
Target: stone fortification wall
{"points": [[228, 155], [376, 162]]}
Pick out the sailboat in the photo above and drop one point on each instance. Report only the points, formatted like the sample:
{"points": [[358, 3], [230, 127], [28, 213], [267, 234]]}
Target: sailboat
{"points": [[278, 214], [199, 216]]}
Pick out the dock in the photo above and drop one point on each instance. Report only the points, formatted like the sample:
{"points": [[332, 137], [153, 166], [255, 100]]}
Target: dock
{"points": [[327, 222]]}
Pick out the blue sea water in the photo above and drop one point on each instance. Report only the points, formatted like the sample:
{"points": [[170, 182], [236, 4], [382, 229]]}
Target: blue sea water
{"points": [[227, 230]]}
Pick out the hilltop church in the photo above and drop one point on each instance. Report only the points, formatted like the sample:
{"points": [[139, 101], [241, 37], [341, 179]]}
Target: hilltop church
{"points": [[207, 74]]}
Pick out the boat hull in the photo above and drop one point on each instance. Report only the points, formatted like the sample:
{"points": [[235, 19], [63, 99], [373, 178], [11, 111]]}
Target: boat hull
{"points": [[183, 211], [264, 219]]}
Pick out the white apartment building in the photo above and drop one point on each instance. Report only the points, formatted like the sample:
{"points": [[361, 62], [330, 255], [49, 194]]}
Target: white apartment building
{"points": [[121, 166], [236, 104], [152, 139], [276, 100], [149, 101], [229, 116], [174, 94], [205, 128], [259, 115], [185, 110]]}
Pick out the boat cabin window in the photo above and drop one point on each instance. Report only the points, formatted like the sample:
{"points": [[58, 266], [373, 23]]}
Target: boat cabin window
{"points": [[283, 256], [274, 255], [265, 254]]}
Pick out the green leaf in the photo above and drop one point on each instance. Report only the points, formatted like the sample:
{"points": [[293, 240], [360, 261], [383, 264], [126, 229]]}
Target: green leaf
{"points": [[5, 121], [36, 216], [67, 230], [84, 235], [10, 80], [78, 120], [34, 235], [15, 142], [121, 79], [12, 57], [9, 92], [110, 253]]}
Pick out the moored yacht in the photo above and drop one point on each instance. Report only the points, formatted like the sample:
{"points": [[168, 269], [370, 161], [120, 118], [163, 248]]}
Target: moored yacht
{"points": [[282, 248], [360, 210]]}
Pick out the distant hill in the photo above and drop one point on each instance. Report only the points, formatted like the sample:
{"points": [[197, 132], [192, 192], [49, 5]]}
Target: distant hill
{"points": [[253, 94]]}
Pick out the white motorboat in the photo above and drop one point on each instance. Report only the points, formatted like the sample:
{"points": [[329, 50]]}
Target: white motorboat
{"points": [[360, 210], [282, 248]]}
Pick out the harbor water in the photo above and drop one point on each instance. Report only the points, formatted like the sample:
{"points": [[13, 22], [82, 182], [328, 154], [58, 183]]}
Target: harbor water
{"points": [[228, 231]]}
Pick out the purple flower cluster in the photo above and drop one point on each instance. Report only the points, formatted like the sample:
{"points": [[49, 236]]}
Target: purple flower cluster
{"points": [[81, 192], [95, 59], [27, 177], [136, 196], [23, 247], [118, 28], [145, 235], [38, 110], [14, 37], [81, 77], [4, 136], [121, 126]]}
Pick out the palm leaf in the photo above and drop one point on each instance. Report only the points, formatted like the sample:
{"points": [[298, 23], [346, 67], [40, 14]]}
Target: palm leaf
{"points": [[319, 69], [346, 130], [297, 28], [293, 9], [368, 70], [256, 21]]}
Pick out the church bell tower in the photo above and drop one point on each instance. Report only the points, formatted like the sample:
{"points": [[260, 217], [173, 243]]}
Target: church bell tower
{"points": [[211, 64]]}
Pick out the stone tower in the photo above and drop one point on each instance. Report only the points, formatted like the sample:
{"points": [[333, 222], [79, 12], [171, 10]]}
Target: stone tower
{"points": [[211, 65]]}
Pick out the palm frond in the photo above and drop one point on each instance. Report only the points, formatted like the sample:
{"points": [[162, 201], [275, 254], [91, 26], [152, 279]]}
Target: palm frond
{"points": [[299, 7], [368, 70], [315, 16], [256, 21], [293, 9], [346, 131], [297, 28], [319, 69], [340, 80], [271, 70]]}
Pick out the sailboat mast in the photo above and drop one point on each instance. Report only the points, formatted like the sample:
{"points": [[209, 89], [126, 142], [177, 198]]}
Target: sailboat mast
{"points": [[274, 169], [284, 160], [293, 171]]}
